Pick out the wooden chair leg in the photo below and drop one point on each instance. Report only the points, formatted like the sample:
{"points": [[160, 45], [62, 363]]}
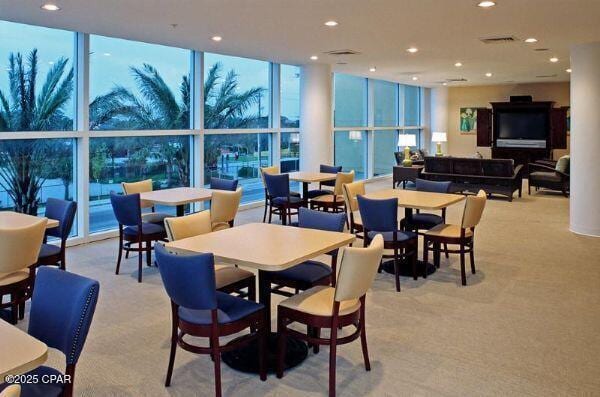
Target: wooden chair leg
{"points": [[217, 358], [472, 256], [463, 275], [332, 357], [436, 254], [281, 342], [396, 269], [173, 350], [120, 253], [317, 334], [140, 260], [270, 214], [446, 250], [14, 309], [413, 258], [425, 256], [252, 289], [148, 253], [262, 351], [265, 213], [363, 336]]}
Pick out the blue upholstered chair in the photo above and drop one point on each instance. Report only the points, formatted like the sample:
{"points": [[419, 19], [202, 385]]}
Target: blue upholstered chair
{"points": [[199, 310], [310, 273], [62, 309], [279, 197], [128, 211], [381, 217], [64, 212], [223, 184], [326, 169]]}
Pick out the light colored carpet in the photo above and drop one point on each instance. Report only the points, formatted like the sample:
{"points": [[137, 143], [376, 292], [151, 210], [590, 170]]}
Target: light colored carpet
{"points": [[526, 324]]}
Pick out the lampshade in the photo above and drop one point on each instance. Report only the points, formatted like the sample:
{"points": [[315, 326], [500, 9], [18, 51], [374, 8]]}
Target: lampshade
{"points": [[438, 137], [407, 140], [355, 135], [295, 138]]}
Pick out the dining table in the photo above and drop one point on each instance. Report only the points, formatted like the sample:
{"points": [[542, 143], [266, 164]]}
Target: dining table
{"points": [[265, 248], [19, 352], [412, 200], [12, 219], [177, 197], [306, 178]]}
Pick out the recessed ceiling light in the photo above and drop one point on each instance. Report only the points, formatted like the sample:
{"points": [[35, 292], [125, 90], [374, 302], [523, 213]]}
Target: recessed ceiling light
{"points": [[412, 50], [373, 69], [50, 7], [106, 54], [415, 78], [554, 59], [444, 83], [531, 40], [217, 38], [458, 64], [331, 23], [488, 74], [486, 4], [568, 70], [314, 57]]}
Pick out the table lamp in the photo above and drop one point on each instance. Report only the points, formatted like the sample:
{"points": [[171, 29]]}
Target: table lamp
{"points": [[407, 140], [355, 135], [439, 137]]}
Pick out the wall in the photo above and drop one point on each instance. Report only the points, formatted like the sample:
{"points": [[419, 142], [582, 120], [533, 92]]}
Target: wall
{"points": [[481, 96]]}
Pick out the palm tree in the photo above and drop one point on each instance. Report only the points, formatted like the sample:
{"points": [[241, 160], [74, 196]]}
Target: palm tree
{"points": [[22, 109]]}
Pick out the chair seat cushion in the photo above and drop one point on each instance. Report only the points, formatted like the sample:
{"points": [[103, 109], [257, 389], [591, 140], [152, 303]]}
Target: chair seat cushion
{"points": [[425, 221], [284, 200], [230, 309], [318, 192], [14, 277], [295, 194], [389, 236], [444, 230], [329, 199], [42, 389], [308, 272], [227, 275], [48, 250], [544, 176], [147, 228], [220, 226], [318, 301], [155, 217]]}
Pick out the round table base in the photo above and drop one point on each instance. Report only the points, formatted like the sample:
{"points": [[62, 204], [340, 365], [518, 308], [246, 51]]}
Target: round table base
{"points": [[406, 268], [245, 359]]}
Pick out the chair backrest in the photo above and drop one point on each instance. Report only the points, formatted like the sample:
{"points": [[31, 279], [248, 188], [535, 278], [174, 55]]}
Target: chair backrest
{"points": [[272, 170], [473, 210], [278, 185], [62, 309], [350, 191], [378, 215], [188, 279], [224, 205], [127, 208], [357, 270], [20, 247], [64, 212], [311, 219], [138, 187], [329, 169], [424, 185], [563, 164], [13, 390], [341, 179], [223, 184], [188, 226]]}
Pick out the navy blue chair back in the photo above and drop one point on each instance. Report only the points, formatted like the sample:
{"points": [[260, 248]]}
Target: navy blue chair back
{"points": [[329, 169], [423, 185], [127, 208], [320, 220], [62, 309], [223, 184], [188, 279], [378, 215], [278, 185], [64, 212]]}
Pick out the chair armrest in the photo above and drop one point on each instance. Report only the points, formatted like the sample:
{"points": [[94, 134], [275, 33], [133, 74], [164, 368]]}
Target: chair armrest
{"points": [[546, 168], [518, 171]]}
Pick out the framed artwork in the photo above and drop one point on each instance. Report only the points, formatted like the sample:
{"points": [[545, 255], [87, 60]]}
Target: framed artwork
{"points": [[468, 120]]}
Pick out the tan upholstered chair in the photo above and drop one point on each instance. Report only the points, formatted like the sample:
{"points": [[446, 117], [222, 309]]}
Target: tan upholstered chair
{"points": [[350, 191], [20, 248], [229, 279], [461, 235], [11, 391], [335, 201], [224, 206], [143, 187], [333, 307]]}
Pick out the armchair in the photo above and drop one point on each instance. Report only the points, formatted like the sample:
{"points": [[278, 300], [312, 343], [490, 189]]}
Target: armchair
{"points": [[554, 178]]}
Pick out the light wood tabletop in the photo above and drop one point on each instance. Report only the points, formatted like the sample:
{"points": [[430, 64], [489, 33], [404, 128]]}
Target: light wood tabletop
{"points": [[21, 352], [311, 177], [418, 200], [11, 219], [264, 246], [177, 196]]}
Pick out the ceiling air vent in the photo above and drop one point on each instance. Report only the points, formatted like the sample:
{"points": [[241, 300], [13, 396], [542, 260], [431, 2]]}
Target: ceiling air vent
{"points": [[462, 79], [499, 40], [541, 49], [545, 76], [338, 53]]}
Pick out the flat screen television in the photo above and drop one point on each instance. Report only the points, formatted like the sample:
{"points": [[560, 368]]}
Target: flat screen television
{"points": [[523, 125]]}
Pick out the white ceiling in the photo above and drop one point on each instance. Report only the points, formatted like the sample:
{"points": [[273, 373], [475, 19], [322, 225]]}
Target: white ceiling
{"points": [[290, 31]]}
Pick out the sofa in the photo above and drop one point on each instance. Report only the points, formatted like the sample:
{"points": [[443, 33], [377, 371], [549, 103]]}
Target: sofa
{"points": [[550, 175], [494, 176]]}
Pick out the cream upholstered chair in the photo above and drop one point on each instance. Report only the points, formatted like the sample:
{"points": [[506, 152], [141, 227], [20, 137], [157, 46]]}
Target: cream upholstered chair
{"points": [[350, 191], [20, 248], [224, 206], [333, 307], [143, 187], [11, 391], [335, 201], [229, 279], [462, 235]]}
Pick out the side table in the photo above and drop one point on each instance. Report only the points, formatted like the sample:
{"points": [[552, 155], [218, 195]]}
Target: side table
{"points": [[404, 174]]}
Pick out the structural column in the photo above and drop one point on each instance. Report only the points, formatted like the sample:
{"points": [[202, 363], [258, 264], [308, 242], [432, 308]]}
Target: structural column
{"points": [[439, 118], [316, 125], [585, 139]]}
